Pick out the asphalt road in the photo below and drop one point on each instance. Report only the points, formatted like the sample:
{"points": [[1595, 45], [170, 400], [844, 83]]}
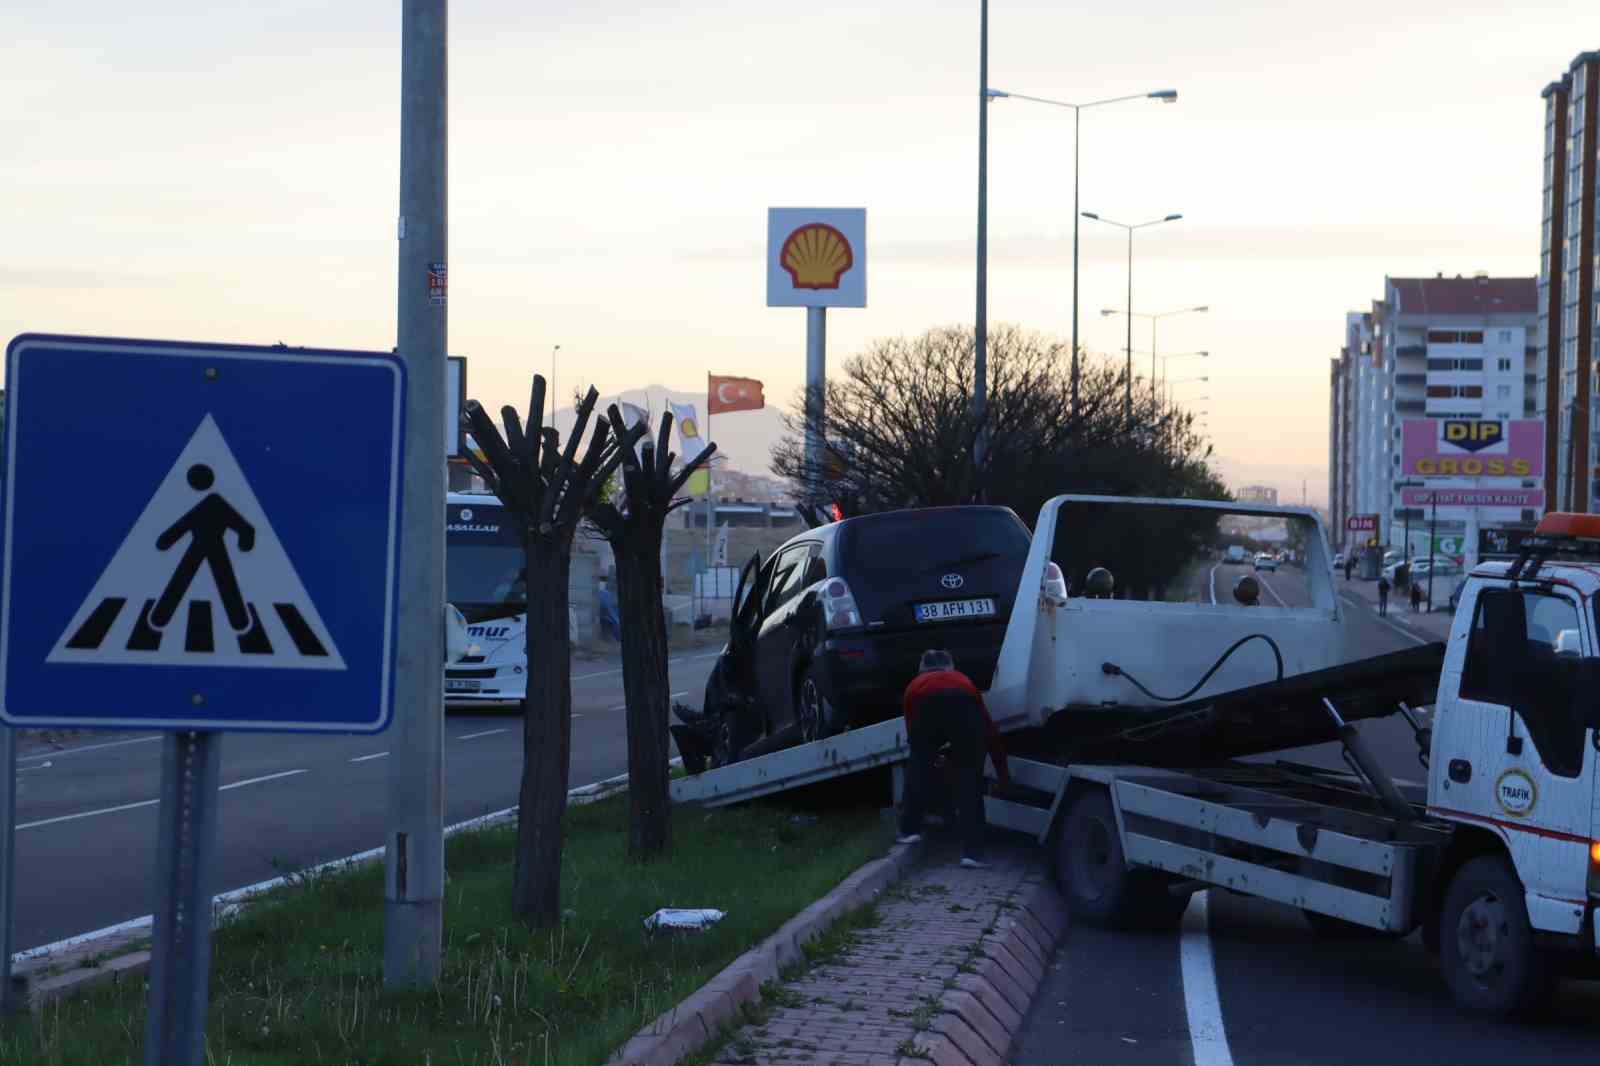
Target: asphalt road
{"points": [[1276, 994], [86, 813]]}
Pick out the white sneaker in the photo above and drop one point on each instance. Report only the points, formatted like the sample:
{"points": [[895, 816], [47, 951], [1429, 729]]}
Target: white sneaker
{"points": [[973, 864], [909, 838]]}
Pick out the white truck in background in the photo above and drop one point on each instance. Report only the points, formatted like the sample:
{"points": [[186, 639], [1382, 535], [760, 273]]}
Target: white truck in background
{"points": [[1144, 794]]}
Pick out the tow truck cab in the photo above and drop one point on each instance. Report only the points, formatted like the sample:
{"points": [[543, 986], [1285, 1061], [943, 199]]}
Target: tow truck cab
{"points": [[1516, 729]]}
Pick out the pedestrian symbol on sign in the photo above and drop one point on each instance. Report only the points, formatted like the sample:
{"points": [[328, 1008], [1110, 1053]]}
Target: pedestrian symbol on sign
{"points": [[132, 613]]}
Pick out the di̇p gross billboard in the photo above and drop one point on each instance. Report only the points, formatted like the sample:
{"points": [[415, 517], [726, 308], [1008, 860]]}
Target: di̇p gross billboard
{"points": [[1473, 447]]}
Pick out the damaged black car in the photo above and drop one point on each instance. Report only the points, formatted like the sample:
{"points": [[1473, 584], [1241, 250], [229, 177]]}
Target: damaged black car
{"points": [[826, 634]]}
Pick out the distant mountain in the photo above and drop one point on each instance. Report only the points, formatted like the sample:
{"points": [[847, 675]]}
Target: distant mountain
{"points": [[744, 437]]}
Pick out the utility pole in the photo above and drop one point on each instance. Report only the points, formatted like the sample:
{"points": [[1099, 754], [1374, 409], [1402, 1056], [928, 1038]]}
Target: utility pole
{"points": [[980, 363], [413, 894]]}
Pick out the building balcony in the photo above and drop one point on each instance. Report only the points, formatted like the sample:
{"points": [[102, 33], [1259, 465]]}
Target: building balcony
{"points": [[1409, 407], [1411, 379], [1407, 351]]}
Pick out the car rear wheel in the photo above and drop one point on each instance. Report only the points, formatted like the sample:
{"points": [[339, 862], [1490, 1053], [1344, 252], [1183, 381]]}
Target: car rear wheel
{"points": [[814, 712]]}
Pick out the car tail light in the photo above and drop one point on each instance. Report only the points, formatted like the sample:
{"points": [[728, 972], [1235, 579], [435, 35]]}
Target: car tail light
{"points": [[1055, 582], [1594, 868], [839, 610]]}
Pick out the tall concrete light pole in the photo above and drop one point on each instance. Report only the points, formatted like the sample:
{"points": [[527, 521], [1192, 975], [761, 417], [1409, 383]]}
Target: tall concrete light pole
{"points": [[1167, 96], [980, 357], [413, 901]]}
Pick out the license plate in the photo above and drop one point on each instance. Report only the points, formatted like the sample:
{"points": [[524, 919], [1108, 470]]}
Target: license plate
{"points": [[948, 609], [462, 685]]}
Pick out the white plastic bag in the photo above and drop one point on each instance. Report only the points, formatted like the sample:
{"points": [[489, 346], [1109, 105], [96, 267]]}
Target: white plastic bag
{"points": [[670, 918]]}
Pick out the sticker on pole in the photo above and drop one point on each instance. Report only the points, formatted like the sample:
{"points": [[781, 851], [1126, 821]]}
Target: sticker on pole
{"points": [[200, 580]]}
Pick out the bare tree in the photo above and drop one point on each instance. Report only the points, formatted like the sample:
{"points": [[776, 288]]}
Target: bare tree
{"points": [[900, 429], [633, 524], [547, 489]]}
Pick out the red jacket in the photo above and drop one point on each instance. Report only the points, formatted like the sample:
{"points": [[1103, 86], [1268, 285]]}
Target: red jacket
{"points": [[925, 685]]}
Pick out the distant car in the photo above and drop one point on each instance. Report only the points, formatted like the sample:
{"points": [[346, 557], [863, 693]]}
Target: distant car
{"points": [[1236, 554], [827, 633], [1266, 561], [1338, 560]]}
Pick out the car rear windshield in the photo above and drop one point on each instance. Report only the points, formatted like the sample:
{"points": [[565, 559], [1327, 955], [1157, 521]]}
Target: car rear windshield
{"points": [[921, 541]]}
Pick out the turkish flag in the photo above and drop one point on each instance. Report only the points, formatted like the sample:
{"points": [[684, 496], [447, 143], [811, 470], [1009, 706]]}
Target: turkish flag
{"points": [[733, 394]]}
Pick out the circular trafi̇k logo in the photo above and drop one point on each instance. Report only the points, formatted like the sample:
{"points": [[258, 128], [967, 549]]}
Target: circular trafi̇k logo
{"points": [[1516, 793], [465, 514]]}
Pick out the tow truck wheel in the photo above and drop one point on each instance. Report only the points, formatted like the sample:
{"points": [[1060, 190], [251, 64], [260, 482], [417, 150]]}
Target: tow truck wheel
{"points": [[1486, 943], [1095, 878]]}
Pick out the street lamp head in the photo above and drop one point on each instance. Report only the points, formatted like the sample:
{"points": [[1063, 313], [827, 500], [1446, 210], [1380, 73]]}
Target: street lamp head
{"points": [[1108, 311], [1166, 96], [1091, 214], [1203, 307], [995, 94], [1172, 218]]}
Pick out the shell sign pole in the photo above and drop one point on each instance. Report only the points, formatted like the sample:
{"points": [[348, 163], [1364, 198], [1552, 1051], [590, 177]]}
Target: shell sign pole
{"points": [[816, 259]]}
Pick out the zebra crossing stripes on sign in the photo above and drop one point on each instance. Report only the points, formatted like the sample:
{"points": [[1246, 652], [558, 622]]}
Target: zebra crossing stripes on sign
{"points": [[200, 580]]}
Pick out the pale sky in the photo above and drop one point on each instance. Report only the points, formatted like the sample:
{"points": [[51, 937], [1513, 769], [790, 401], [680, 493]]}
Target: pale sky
{"points": [[227, 170]]}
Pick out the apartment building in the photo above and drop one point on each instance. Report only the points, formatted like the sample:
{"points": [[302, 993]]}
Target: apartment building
{"points": [[1437, 348], [1567, 320]]}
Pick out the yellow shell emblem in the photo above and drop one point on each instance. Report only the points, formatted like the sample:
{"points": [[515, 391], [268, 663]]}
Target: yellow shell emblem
{"points": [[816, 256]]}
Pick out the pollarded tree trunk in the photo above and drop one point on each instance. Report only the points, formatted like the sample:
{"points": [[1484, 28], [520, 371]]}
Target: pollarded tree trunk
{"points": [[647, 693], [633, 526], [546, 735]]}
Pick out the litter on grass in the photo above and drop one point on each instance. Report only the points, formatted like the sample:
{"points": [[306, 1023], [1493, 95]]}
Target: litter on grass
{"points": [[696, 919]]}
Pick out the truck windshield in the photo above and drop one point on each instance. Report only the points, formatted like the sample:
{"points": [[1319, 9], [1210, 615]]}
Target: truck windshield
{"points": [[483, 560]]}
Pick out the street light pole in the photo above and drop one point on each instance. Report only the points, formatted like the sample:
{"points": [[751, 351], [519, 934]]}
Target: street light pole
{"points": [[1131, 228], [980, 360], [1166, 96], [553, 350]]}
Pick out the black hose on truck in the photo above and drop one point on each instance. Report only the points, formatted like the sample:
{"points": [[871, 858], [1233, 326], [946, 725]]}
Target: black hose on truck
{"points": [[1113, 670]]}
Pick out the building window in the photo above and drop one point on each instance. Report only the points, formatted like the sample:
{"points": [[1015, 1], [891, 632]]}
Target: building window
{"points": [[1505, 336], [1504, 365], [1438, 391], [1503, 392], [1442, 336], [1472, 336], [1469, 364], [1472, 391], [1441, 364]]}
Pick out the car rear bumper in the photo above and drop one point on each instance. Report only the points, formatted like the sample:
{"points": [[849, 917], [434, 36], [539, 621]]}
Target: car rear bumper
{"points": [[866, 675]]}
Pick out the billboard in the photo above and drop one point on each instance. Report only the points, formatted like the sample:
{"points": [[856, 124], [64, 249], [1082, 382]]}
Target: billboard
{"points": [[816, 257], [1521, 498], [1472, 447], [1361, 523]]}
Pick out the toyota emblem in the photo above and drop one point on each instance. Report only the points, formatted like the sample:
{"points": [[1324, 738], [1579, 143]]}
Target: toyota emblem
{"points": [[952, 581]]}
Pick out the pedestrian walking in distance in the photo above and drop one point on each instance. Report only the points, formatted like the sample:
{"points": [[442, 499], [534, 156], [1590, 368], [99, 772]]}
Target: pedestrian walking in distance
{"points": [[1349, 567], [1416, 597], [1383, 594], [942, 706]]}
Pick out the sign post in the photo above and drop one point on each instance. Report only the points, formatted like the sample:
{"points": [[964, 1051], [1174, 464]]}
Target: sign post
{"points": [[816, 259], [195, 589]]}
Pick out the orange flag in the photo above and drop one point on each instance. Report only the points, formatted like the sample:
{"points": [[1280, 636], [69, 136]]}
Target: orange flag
{"points": [[733, 394]]}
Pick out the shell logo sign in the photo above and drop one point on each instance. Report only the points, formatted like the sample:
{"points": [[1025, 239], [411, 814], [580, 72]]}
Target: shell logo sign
{"points": [[816, 257]]}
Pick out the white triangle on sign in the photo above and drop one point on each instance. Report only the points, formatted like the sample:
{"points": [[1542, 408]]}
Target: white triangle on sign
{"points": [[200, 580]]}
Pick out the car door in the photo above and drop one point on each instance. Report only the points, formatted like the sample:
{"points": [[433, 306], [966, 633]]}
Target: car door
{"points": [[778, 635], [1513, 750]]}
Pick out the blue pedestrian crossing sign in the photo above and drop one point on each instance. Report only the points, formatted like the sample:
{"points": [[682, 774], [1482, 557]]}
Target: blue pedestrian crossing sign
{"points": [[199, 536]]}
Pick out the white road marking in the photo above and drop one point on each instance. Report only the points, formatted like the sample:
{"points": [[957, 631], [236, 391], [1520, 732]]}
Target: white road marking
{"points": [[1207, 1033], [87, 747], [87, 814], [41, 766], [258, 780], [485, 733], [1214, 584], [369, 758], [1273, 592]]}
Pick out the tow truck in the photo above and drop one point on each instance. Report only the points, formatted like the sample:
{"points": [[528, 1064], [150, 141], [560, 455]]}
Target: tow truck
{"points": [[1142, 799]]}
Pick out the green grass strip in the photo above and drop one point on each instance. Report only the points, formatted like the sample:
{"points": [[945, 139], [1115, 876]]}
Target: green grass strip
{"points": [[297, 978]]}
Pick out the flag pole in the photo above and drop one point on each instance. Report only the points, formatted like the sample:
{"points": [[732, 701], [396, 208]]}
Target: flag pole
{"points": [[711, 511]]}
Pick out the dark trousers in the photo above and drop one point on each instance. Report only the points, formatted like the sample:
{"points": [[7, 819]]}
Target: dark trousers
{"points": [[1383, 602], [960, 726]]}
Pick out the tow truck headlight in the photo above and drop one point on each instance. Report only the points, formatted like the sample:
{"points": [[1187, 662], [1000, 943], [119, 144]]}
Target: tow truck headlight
{"points": [[839, 610], [1594, 868]]}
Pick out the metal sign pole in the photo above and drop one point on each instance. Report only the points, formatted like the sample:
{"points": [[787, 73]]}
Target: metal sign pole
{"points": [[180, 957], [9, 1000], [816, 395]]}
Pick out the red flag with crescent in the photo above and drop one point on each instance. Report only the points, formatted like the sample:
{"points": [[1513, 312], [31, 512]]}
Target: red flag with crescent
{"points": [[733, 394]]}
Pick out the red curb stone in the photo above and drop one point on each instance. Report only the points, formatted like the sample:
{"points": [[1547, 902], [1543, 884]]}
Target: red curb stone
{"points": [[964, 1037], [1041, 936], [1007, 963], [1002, 982], [1025, 961], [993, 1001], [1023, 937], [942, 1051], [966, 1007]]}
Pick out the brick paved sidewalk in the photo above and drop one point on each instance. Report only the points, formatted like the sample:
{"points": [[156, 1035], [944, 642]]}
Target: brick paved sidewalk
{"points": [[945, 975]]}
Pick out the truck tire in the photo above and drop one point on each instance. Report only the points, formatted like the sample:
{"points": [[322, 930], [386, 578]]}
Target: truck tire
{"points": [[1486, 942], [1095, 878]]}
